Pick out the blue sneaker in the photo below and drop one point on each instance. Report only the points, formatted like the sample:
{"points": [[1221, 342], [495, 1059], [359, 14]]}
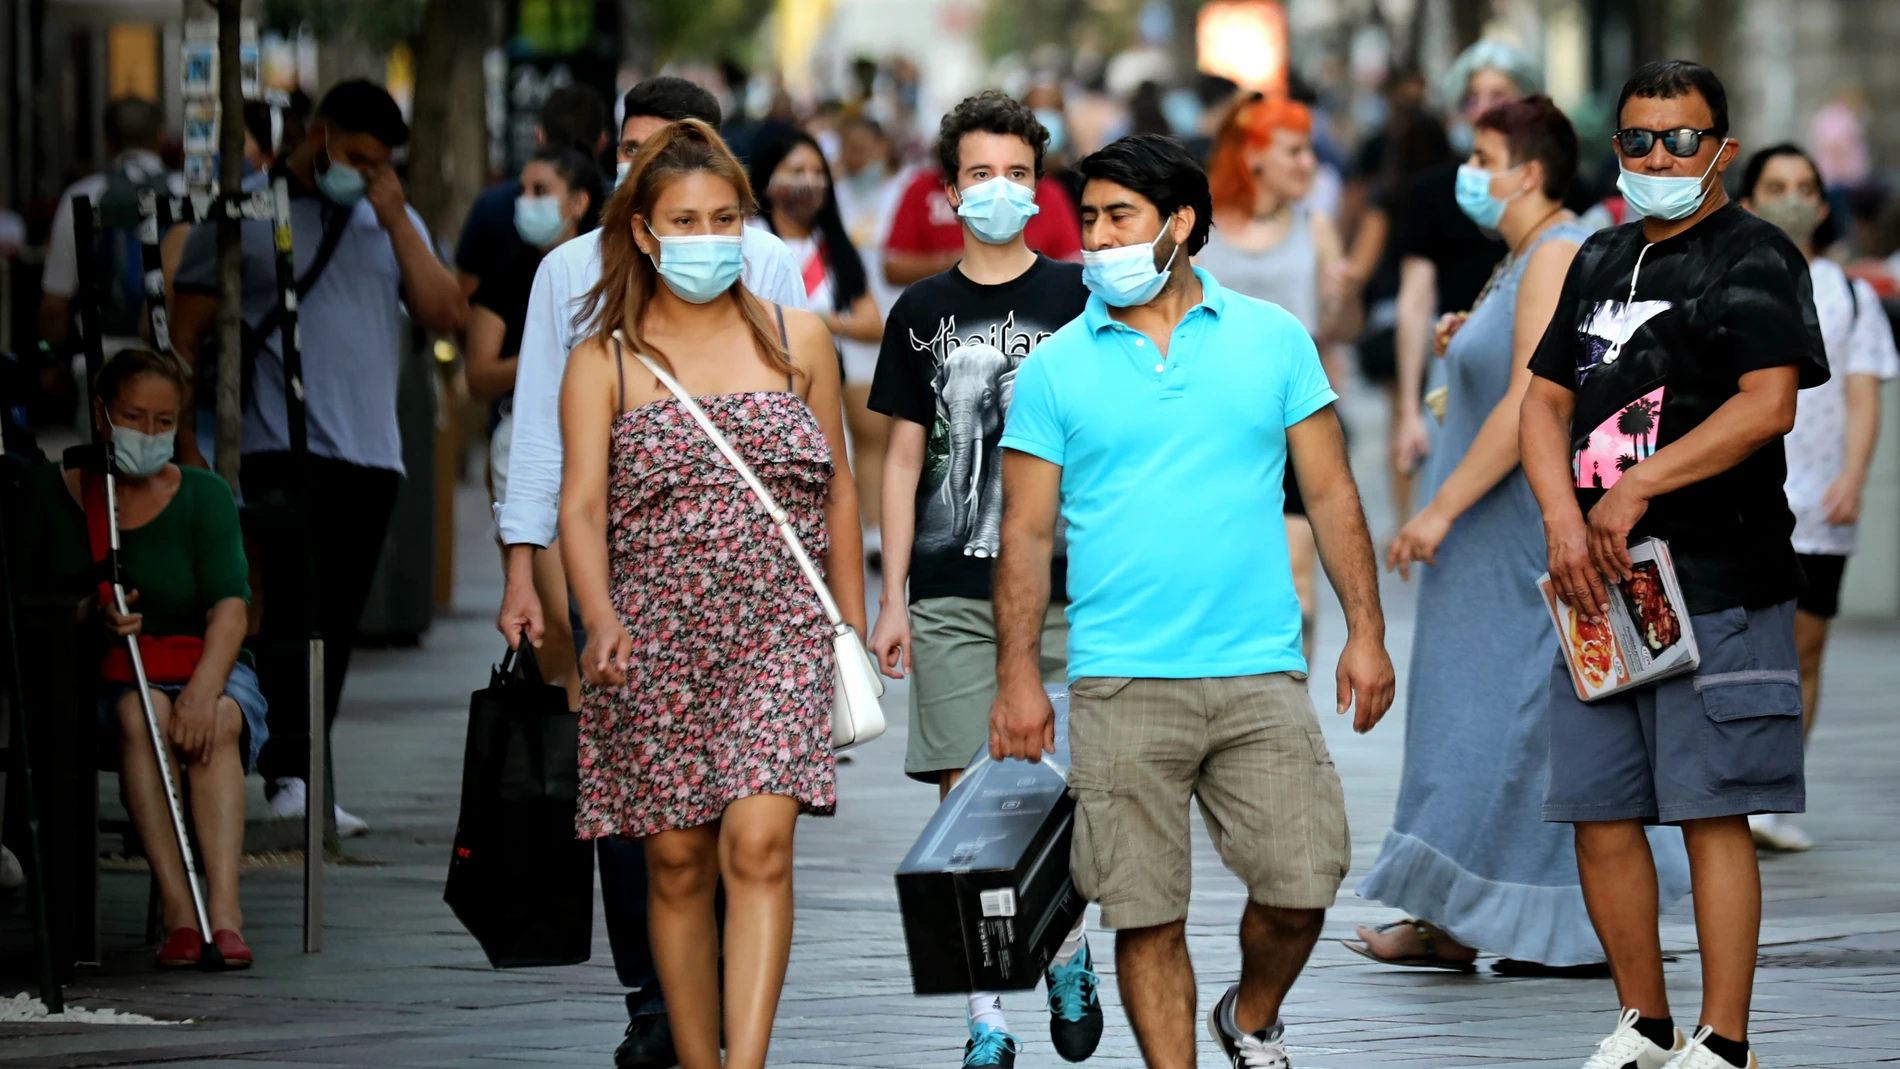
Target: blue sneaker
{"points": [[990, 1047], [1075, 1010]]}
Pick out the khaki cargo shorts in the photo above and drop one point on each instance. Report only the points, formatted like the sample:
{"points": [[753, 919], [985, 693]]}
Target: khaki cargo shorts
{"points": [[1248, 748]]}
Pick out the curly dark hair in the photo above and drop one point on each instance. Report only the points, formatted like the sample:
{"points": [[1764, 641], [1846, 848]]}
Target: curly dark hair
{"points": [[988, 112]]}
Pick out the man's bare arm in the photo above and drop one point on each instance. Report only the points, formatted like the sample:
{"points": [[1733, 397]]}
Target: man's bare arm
{"points": [[1021, 721], [1318, 450]]}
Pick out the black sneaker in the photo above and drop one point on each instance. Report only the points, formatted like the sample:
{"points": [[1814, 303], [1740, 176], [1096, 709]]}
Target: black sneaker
{"points": [[1265, 1049], [990, 1048], [1075, 1010], [648, 1044]]}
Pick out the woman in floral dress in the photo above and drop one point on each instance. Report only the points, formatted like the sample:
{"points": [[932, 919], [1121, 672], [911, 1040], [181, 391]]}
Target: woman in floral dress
{"points": [[705, 721]]}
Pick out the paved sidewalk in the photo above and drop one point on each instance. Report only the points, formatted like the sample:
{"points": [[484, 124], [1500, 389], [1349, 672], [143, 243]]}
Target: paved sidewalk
{"points": [[401, 984]]}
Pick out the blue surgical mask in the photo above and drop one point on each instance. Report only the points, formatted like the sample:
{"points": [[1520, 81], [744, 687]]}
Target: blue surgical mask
{"points": [[997, 210], [1656, 196], [1058, 127], [700, 267], [538, 220], [1474, 196], [140, 455], [343, 184], [621, 171], [1127, 276]]}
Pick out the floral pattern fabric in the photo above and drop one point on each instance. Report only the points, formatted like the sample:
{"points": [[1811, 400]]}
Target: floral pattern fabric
{"points": [[730, 687]]}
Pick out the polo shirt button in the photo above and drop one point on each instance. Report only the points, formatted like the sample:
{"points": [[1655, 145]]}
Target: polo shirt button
{"points": [[1140, 342], [1159, 369]]}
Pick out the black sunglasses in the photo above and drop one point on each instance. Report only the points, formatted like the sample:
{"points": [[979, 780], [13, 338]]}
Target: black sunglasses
{"points": [[1684, 142]]}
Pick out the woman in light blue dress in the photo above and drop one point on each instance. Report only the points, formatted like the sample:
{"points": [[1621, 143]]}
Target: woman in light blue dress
{"points": [[1469, 857]]}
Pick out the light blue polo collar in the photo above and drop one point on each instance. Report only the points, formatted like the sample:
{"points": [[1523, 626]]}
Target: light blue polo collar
{"points": [[1213, 298]]}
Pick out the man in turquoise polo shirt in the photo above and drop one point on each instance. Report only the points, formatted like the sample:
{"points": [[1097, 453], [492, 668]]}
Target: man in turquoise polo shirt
{"points": [[1159, 425]]}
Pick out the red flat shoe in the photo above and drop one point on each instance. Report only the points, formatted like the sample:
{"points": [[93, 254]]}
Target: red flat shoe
{"points": [[236, 954], [182, 949]]}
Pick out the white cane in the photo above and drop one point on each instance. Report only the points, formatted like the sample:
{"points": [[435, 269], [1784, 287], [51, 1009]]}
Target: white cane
{"points": [[210, 957]]}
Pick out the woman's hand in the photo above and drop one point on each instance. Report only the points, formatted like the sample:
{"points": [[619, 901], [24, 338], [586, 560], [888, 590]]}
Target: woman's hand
{"points": [[128, 624], [608, 655], [890, 641], [1842, 502], [194, 722], [1446, 329], [1418, 541], [1410, 440]]}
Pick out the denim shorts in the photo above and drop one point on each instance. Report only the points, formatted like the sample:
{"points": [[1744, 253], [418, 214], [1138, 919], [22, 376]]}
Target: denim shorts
{"points": [[240, 686], [1723, 741]]}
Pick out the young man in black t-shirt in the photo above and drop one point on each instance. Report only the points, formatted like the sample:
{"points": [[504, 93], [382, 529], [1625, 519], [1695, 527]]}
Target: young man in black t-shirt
{"points": [[952, 344], [1662, 390]]}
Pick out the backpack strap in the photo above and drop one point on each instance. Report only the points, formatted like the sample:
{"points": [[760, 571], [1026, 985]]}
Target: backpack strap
{"points": [[786, 341]]}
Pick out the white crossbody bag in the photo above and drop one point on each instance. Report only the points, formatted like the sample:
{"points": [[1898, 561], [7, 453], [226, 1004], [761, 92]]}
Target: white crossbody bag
{"points": [[856, 716]]}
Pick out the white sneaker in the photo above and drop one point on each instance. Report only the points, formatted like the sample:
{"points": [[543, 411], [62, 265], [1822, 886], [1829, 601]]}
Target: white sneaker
{"points": [[288, 804], [1772, 831], [1697, 1056], [12, 876], [1626, 1048]]}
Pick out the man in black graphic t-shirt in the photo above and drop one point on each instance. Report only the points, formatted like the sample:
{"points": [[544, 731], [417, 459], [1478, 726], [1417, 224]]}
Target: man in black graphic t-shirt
{"points": [[952, 344], [1662, 389]]}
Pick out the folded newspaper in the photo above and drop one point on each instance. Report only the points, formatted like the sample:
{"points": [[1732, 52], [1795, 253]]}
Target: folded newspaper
{"points": [[1645, 638]]}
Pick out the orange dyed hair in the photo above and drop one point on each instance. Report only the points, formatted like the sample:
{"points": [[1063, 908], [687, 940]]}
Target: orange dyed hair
{"points": [[1249, 125]]}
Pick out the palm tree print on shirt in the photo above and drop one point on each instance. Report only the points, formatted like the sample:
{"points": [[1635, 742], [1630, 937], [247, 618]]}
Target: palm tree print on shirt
{"points": [[1619, 443]]}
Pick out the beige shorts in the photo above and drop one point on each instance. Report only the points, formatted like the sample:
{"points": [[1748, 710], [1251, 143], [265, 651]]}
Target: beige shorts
{"points": [[1248, 748], [953, 679]]}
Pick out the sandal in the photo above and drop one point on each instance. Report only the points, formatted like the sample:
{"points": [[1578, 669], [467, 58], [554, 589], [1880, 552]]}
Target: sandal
{"points": [[1427, 960]]}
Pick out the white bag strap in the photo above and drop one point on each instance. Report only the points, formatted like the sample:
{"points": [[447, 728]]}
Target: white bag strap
{"points": [[780, 518]]}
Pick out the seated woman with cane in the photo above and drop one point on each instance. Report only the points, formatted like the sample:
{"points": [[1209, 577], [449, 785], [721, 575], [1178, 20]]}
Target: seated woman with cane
{"points": [[182, 560]]}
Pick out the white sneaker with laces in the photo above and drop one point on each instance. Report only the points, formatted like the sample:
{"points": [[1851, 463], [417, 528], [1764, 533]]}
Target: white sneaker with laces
{"points": [[289, 801], [1772, 831], [1256, 1050], [1626, 1048], [12, 876], [1696, 1056]]}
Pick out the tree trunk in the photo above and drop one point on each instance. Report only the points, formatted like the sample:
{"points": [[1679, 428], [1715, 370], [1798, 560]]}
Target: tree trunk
{"points": [[448, 145]]}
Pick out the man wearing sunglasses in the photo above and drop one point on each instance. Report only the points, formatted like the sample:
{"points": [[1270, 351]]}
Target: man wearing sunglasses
{"points": [[1662, 389]]}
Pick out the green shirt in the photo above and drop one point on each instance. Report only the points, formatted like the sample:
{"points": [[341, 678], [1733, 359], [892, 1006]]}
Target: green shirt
{"points": [[184, 561]]}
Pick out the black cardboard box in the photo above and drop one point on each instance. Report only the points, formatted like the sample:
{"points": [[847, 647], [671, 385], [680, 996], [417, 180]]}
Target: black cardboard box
{"points": [[985, 892]]}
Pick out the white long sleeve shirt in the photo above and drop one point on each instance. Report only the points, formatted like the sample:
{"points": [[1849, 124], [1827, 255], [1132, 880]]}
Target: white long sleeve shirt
{"points": [[531, 513]]}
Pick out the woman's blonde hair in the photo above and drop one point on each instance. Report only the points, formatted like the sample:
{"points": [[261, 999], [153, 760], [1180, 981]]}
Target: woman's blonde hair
{"points": [[628, 279]]}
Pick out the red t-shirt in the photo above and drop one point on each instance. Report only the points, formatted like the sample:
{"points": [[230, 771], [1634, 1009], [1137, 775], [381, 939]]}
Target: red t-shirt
{"points": [[925, 222]]}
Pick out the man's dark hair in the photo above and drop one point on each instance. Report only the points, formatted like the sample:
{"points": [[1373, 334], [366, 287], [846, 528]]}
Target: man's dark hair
{"points": [[988, 112], [362, 107], [672, 99], [133, 123], [1670, 78], [574, 115], [257, 123], [1535, 128], [1160, 168]]}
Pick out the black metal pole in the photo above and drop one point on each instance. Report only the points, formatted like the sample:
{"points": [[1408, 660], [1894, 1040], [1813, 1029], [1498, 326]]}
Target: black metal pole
{"points": [[230, 402], [51, 992], [316, 796]]}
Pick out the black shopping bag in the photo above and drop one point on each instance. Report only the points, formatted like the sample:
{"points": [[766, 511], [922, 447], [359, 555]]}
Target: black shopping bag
{"points": [[519, 880]]}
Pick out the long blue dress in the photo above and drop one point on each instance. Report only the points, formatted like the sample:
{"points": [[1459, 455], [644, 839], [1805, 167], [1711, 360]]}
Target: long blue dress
{"points": [[1469, 850]]}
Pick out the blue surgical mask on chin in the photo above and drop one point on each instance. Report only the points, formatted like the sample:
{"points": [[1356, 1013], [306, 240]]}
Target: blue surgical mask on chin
{"points": [[139, 455], [1127, 276], [1671, 197], [699, 267], [343, 184], [997, 210], [538, 220], [1474, 196]]}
